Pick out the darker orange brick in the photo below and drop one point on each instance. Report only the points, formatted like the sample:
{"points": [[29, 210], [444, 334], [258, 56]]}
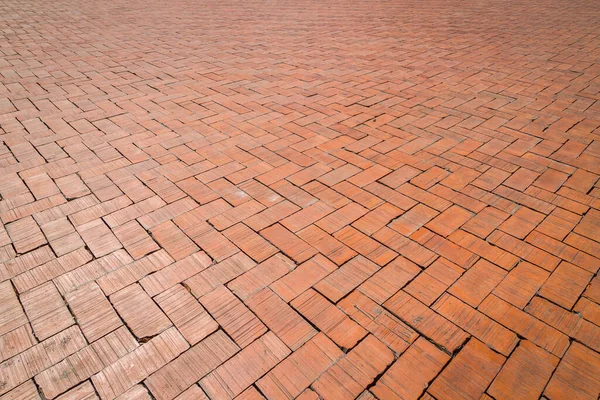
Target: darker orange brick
{"points": [[288, 243], [565, 285], [426, 321], [521, 284], [329, 319], [330, 247], [410, 374], [476, 361], [525, 373], [522, 222], [449, 221], [477, 282]]}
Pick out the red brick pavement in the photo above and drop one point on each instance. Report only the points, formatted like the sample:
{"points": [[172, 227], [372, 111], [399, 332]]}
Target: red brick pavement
{"points": [[313, 199]]}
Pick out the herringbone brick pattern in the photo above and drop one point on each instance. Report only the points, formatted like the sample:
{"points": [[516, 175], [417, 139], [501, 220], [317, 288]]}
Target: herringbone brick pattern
{"points": [[390, 199]]}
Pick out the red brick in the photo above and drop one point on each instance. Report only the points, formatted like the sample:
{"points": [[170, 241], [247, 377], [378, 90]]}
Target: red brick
{"points": [[412, 220], [565, 321], [46, 310], [485, 222], [280, 318], [344, 279], [472, 321], [250, 242], [524, 250], [341, 218], [460, 178], [551, 180], [366, 246], [271, 215], [261, 276], [468, 375], [190, 318], [565, 285], [95, 315], [233, 316], [296, 373], [522, 222], [329, 319], [126, 372], [357, 370], [569, 382], [400, 176], [303, 277], [306, 216], [25, 235], [426, 321], [377, 219], [521, 284], [247, 366], [525, 325], [477, 282], [411, 373], [483, 249], [521, 179], [525, 373], [449, 221], [457, 254], [379, 322], [191, 366], [389, 279], [433, 281], [330, 247], [369, 175], [400, 244]]}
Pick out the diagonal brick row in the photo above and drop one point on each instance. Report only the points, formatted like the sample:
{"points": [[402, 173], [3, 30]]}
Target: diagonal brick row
{"points": [[312, 200]]}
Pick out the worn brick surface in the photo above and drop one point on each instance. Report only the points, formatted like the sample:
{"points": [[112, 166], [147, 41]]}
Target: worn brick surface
{"points": [[299, 199]]}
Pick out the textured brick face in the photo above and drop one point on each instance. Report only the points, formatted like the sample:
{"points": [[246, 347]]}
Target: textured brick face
{"points": [[205, 199]]}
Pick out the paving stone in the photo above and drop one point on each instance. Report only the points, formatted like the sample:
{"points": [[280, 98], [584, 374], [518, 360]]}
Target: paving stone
{"points": [[131, 369], [261, 276], [468, 375], [280, 318], [99, 238], [344, 279], [381, 323], [46, 310], [525, 325], [476, 283], [521, 284], [25, 235], [329, 319], [239, 372], [85, 391], [530, 362], [472, 321], [94, 314], [426, 321], [174, 378], [186, 313], [303, 277], [299, 200], [353, 373], [297, 372], [410, 374], [568, 379], [219, 274], [139, 312], [86, 362], [235, 318]]}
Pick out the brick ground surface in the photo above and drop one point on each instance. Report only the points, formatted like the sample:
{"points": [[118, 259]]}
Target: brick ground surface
{"points": [[299, 199]]}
